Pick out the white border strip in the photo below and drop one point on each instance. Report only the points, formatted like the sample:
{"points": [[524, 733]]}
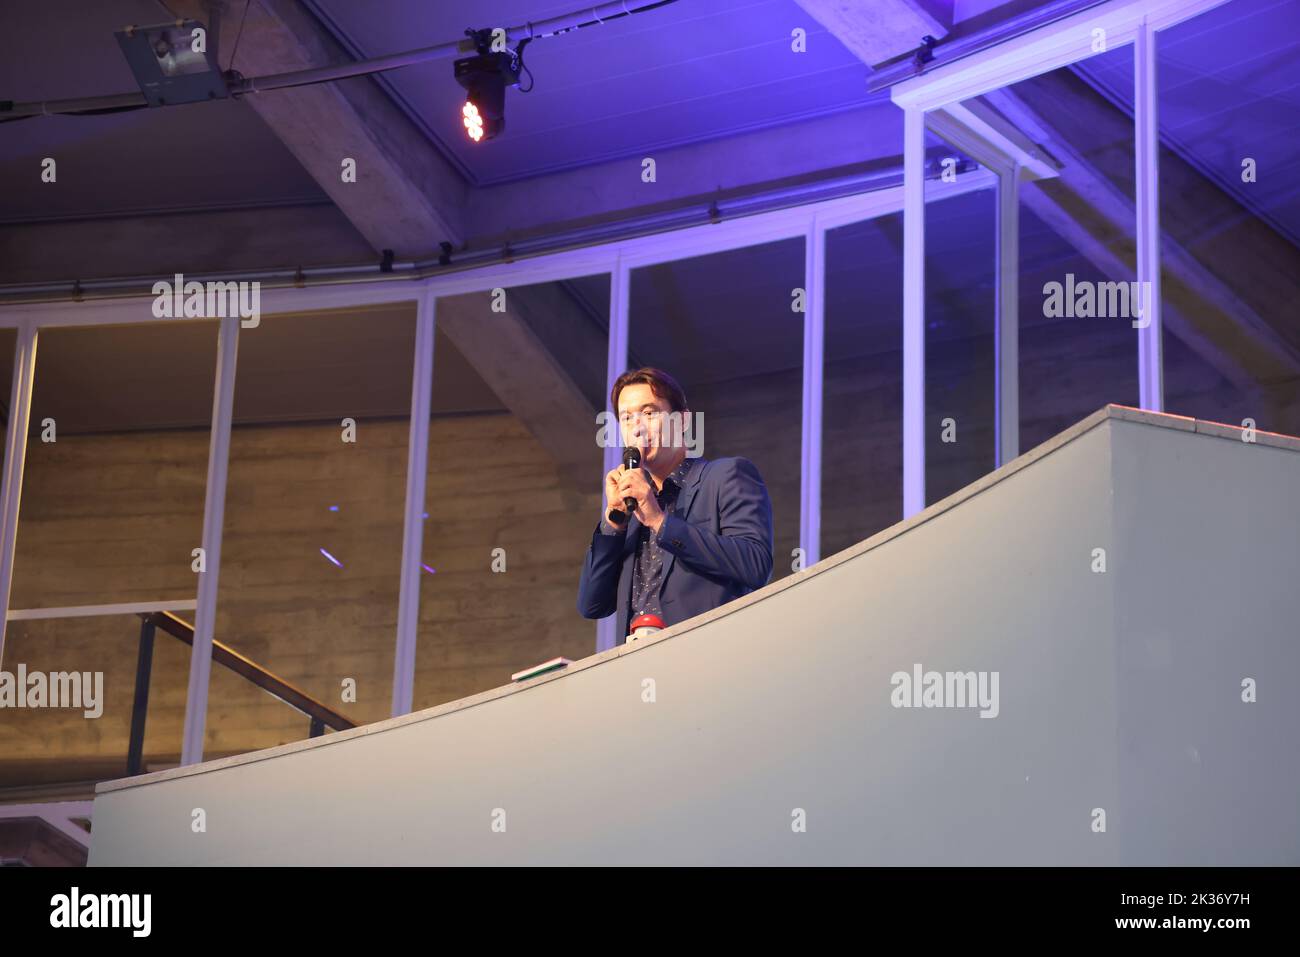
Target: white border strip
{"points": [[1146, 202], [214, 511], [814, 372], [93, 611], [11, 488], [417, 469]]}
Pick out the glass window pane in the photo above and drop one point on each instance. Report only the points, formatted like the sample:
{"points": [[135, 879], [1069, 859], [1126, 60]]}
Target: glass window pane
{"points": [[960, 304], [117, 459], [1229, 134], [80, 733], [112, 507], [862, 407], [315, 500], [514, 485], [729, 328], [1078, 298]]}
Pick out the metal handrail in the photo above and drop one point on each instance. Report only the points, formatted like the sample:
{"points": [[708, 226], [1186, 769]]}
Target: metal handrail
{"points": [[321, 715]]}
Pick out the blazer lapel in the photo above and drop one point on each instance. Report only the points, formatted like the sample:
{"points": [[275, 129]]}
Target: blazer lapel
{"points": [[684, 498], [633, 533]]}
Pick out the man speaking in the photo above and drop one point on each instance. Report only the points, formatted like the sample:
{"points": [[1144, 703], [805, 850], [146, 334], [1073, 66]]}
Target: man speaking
{"points": [[678, 536]]}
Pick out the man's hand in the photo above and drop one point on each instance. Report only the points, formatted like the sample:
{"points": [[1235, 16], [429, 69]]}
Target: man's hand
{"points": [[633, 484], [613, 497]]}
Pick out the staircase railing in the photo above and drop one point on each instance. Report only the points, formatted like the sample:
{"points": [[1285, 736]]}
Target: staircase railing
{"points": [[161, 615], [320, 714]]}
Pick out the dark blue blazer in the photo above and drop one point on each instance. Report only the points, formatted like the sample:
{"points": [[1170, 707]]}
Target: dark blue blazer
{"points": [[717, 546]]}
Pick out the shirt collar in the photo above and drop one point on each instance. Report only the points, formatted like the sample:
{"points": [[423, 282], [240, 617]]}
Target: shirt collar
{"points": [[678, 475]]}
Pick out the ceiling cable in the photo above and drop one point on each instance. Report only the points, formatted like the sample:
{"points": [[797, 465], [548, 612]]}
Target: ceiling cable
{"points": [[239, 86]]}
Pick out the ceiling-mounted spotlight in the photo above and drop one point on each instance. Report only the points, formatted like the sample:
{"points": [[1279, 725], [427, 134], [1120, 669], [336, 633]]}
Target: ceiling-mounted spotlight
{"points": [[174, 62], [473, 120], [485, 77]]}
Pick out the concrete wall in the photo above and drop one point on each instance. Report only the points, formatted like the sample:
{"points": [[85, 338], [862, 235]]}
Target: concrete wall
{"points": [[1119, 692], [113, 518]]}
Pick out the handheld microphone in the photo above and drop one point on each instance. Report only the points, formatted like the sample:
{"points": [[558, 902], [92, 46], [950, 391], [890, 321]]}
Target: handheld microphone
{"points": [[631, 460]]}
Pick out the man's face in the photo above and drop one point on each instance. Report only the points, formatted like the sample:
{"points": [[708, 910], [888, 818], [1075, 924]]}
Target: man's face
{"points": [[647, 422]]}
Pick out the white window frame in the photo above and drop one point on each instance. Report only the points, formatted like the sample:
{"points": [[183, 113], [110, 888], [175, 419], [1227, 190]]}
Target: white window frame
{"points": [[1044, 49], [1039, 51]]}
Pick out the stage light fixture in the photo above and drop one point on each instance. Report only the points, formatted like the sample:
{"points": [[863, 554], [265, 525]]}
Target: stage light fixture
{"points": [[485, 77], [174, 62]]}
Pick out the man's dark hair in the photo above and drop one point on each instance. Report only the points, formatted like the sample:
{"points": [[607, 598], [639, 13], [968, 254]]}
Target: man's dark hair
{"points": [[661, 384]]}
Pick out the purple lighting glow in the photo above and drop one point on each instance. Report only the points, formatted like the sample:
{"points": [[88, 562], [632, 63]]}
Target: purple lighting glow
{"points": [[431, 571], [331, 558]]}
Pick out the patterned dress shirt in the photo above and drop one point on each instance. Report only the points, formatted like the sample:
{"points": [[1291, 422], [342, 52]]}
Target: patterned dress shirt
{"points": [[648, 566]]}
